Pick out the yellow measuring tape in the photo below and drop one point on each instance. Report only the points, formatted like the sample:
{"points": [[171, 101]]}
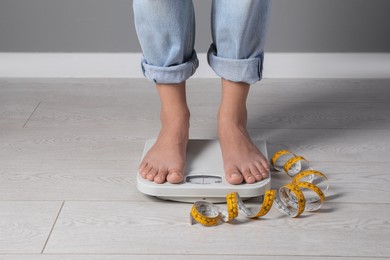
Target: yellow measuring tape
{"points": [[306, 192], [278, 154], [208, 214]]}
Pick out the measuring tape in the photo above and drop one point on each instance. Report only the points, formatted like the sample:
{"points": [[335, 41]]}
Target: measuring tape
{"points": [[208, 214], [289, 162], [306, 192]]}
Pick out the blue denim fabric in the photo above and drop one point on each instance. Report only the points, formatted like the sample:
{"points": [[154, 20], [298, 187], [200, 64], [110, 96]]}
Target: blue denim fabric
{"points": [[166, 31]]}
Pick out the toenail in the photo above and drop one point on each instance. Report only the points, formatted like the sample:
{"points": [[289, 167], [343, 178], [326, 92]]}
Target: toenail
{"points": [[235, 175]]}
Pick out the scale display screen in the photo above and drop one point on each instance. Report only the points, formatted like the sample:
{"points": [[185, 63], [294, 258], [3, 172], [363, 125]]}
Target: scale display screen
{"points": [[203, 179]]}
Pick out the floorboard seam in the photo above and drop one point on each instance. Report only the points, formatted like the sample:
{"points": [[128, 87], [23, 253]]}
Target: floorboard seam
{"points": [[178, 254], [180, 203], [55, 221], [31, 114]]}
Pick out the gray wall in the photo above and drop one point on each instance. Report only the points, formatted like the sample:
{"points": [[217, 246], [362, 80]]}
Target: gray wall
{"points": [[107, 26]]}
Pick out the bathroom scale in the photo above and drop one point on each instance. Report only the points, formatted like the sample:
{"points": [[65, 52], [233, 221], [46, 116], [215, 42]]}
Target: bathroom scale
{"points": [[204, 176]]}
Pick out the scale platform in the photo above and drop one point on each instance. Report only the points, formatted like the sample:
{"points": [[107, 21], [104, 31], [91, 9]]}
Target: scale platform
{"points": [[204, 176]]}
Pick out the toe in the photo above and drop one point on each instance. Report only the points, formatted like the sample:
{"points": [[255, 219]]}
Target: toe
{"points": [[233, 176], [256, 173], [161, 176], [262, 169], [151, 174], [265, 163], [175, 176], [248, 177], [142, 166], [145, 170]]}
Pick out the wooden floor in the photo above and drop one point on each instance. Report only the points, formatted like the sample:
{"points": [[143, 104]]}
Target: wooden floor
{"points": [[70, 148]]}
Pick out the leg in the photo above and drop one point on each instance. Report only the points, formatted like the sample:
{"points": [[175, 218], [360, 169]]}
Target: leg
{"points": [[166, 159], [238, 31], [242, 159], [166, 29], [166, 32]]}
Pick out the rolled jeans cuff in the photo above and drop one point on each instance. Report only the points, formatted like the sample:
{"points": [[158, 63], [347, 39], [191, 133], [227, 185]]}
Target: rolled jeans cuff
{"points": [[237, 70], [170, 74]]}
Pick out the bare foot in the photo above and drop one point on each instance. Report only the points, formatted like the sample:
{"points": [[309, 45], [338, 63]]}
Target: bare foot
{"points": [[242, 159], [165, 160]]}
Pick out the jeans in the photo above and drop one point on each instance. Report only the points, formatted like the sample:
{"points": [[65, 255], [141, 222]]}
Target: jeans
{"points": [[166, 32]]}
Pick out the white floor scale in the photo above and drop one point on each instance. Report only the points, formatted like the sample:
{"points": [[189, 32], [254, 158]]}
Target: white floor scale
{"points": [[204, 176]]}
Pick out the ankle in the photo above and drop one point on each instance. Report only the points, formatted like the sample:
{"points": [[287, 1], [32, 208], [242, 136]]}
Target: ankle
{"points": [[179, 114], [232, 110], [175, 120], [228, 116]]}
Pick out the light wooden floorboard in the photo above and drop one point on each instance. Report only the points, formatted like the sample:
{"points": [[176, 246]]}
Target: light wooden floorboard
{"points": [[25, 226], [80, 141], [151, 228], [105, 103], [122, 143], [15, 113], [283, 90], [166, 257], [69, 180], [89, 112], [350, 182]]}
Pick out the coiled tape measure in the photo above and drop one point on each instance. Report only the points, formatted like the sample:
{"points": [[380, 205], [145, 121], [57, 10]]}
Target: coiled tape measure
{"points": [[305, 192]]}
